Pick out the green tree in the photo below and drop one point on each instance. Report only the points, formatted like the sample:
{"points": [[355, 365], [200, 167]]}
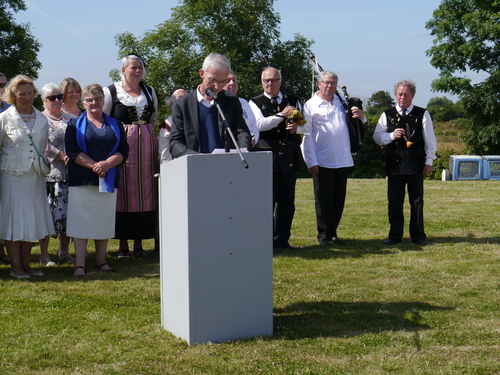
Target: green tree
{"points": [[379, 102], [18, 47], [467, 35], [443, 109], [243, 30]]}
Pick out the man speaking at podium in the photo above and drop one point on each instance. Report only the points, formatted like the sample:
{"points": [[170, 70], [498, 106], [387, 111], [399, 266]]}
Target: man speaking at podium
{"points": [[197, 127]]}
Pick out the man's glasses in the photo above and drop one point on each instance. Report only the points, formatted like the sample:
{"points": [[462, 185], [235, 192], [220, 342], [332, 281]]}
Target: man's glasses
{"points": [[329, 83], [54, 97], [2, 84], [213, 81], [90, 101], [271, 80]]}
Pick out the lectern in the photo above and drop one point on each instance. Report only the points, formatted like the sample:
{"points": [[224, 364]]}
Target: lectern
{"points": [[216, 247]]}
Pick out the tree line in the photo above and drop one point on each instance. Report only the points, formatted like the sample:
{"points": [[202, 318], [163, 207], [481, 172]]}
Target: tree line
{"points": [[466, 40]]}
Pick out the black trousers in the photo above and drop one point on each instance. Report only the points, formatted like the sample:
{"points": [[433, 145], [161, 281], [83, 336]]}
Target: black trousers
{"points": [[396, 185], [330, 187], [283, 206]]}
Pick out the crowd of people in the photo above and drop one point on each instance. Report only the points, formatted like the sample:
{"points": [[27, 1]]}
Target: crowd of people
{"points": [[84, 167]]}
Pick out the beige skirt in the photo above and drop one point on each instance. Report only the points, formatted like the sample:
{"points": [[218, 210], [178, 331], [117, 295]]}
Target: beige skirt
{"points": [[91, 214]]}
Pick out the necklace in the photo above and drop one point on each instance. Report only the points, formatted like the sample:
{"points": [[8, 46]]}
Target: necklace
{"points": [[27, 118], [52, 117]]}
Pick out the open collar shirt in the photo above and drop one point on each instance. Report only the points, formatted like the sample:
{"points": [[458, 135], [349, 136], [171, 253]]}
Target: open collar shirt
{"points": [[326, 143]]}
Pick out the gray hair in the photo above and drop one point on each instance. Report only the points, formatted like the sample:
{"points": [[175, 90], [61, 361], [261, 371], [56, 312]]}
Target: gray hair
{"points": [[94, 89], [48, 88], [169, 101], [330, 74], [406, 82], [126, 60], [216, 60], [3, 75], [267, 68]]}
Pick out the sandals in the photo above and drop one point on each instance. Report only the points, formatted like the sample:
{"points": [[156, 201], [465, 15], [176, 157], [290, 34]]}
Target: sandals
{"points": [[140, 253], [47, 262], [84, 271], [4, 259], [99, 267], [66, 258], [123, 253]]}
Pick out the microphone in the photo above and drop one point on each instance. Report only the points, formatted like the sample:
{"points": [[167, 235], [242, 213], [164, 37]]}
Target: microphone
{"points": [[211, 93]]}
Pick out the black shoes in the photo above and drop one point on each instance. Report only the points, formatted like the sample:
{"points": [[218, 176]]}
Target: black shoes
{"points": [[333, 240], [286, 246], [324, 242], [140, 253], [391, 242], [338, 241], [420, 242]]}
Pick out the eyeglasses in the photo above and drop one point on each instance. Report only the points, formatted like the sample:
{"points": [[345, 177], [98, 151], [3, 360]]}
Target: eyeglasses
{"points": [[329, 83], [2, 84], [213, 81], [271, 80], [92, 100], [54, 97]]}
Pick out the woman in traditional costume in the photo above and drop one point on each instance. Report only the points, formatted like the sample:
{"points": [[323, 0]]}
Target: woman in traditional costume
{"points": [[136, 106]]}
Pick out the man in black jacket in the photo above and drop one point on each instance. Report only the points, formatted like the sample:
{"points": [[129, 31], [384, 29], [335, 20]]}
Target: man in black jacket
{"points": [[279, 135], [196, 124], [408, 134]]}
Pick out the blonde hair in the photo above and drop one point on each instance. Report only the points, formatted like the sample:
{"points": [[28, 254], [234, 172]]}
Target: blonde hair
{"points": [[9, 95], [68, 81]]}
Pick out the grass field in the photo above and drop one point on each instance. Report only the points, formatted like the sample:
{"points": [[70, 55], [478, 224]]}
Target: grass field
{"points": [[361, 308]]}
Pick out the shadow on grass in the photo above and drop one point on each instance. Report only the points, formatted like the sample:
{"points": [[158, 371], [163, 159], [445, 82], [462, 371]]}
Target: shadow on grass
{"points": [[360, 248], [126, 268], [349, 319]]}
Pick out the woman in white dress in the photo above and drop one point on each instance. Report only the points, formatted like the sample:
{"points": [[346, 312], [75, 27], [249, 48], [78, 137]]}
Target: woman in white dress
{"points": [[23, 202]]}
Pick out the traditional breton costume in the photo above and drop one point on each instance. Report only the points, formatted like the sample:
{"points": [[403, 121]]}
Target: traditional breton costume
{"points": [[286, 157], [405, 161], [137, 201]]}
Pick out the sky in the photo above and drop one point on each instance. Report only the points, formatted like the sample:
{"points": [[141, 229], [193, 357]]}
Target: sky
{"points": [[369, 44]]}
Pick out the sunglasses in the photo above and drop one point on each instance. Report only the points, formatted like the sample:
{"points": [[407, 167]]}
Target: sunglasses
{"points": [[54, 97], [2, 84]]}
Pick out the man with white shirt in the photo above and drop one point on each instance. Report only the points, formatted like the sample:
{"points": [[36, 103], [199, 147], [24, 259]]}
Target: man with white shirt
{"points": [[232, 85], [327, 152], [408, 134]]}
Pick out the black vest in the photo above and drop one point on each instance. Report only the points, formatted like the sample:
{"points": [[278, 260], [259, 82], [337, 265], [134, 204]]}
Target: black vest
{"points": [[402, 159], [285, 146], [128, 115]]}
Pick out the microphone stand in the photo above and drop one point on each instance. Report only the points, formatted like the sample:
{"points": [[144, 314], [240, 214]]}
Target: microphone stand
{"points": [[230, 133]]}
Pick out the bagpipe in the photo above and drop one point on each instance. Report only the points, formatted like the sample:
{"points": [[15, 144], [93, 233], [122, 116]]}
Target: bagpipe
{"points": [[356, 128]]}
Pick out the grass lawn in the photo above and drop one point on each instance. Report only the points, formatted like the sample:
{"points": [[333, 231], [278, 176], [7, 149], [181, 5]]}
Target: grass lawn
{"points": [[361, 308]]}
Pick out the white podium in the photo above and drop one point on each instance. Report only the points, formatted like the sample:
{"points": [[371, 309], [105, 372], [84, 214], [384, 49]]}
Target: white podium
{"points": [[216, 247]]}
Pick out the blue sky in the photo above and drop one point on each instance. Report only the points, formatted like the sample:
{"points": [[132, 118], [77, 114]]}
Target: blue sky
{"points": [[369, 44]]}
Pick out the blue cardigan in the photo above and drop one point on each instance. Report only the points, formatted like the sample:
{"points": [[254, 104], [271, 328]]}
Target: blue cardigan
{"points": [[78, 175]]}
